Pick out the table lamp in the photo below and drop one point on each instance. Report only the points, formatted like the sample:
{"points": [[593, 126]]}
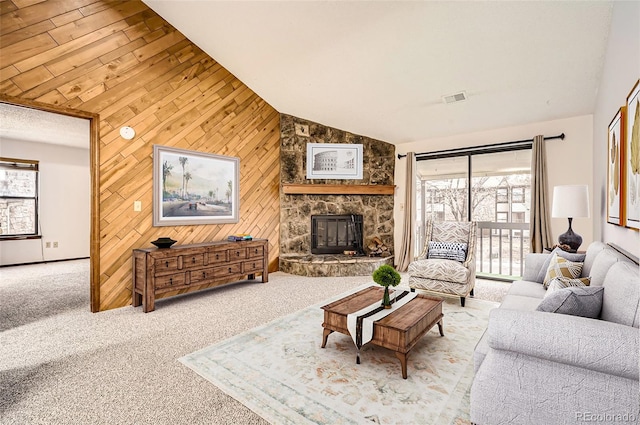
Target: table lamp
{"points": [[570, 201]]}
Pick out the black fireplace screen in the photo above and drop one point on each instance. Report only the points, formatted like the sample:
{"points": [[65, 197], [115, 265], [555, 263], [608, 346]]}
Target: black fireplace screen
{"points": [[334, 234]]}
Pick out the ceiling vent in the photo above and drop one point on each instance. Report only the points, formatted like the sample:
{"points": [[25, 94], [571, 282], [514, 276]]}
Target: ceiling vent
{"points": [[458, 97]]}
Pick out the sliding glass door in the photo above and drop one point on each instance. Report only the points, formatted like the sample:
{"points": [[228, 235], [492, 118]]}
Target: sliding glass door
{"points": [[490, 188]]}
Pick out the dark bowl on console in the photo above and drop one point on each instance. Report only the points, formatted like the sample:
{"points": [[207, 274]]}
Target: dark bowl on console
{"points": [[163, 242]]}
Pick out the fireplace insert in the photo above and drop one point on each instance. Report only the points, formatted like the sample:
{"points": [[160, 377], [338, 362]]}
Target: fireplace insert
{"points": [[334, 234]]}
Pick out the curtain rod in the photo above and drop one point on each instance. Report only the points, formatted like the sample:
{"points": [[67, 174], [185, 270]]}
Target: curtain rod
{"points": [[515, 143]]}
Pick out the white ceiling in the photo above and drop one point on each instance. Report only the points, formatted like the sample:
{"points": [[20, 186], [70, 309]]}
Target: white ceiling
{"points": [[33, 125], [380, 68]]}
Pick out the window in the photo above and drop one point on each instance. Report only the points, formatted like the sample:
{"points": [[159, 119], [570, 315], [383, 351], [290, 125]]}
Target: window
{"points": [[518, 217], [503, 195], [517, 195], [437, 197], [18, 198]]}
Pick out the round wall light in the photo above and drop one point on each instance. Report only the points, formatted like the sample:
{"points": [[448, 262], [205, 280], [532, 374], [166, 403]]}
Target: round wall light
{"points": [[127, 133]]}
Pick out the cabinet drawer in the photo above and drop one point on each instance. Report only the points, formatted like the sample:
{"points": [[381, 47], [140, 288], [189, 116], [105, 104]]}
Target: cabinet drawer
{"points": [[193, 260], [201, 275], [255, 251], [166, 264], [237, 254], [253, 266], [218, 255], [228, 270], [170, 280]]}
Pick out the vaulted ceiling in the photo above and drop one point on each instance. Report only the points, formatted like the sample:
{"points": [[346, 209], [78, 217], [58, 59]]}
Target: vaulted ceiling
{"points": [[381, 68]]}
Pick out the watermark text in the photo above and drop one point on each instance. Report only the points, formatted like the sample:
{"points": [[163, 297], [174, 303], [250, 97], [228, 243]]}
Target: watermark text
{"points": [[606, 417]]}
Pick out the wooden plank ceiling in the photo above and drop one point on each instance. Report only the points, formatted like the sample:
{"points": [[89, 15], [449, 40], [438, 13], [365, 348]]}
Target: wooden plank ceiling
{"points": [[122, 61]]}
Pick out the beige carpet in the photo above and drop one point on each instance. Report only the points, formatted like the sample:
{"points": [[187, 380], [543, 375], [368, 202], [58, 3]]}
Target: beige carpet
{"points": [[61, 364]]}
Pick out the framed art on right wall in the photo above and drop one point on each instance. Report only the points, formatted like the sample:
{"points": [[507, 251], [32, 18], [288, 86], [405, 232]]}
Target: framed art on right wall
{"points": [[632, 158], [615, 169]]}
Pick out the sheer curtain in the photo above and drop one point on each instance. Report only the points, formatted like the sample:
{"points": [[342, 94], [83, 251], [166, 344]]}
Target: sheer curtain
{"points": [[539, 226], [407, 248]]}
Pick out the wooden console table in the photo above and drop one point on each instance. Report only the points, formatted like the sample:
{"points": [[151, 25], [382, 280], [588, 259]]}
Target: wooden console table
{"points": [[157, 271]]}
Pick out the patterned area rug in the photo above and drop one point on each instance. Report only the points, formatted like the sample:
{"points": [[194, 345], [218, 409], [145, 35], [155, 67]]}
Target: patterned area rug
{"points": [[280, 372]]}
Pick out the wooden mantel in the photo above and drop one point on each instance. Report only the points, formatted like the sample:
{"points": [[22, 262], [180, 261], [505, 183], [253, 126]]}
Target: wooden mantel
{"points": [[338, 189]]}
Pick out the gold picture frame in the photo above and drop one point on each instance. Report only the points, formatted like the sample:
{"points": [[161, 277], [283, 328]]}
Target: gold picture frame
{"points": [[632, 159], [615, 169]]}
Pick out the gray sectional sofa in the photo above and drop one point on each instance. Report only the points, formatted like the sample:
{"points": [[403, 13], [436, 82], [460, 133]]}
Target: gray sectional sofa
{"points": [[534, 367]]}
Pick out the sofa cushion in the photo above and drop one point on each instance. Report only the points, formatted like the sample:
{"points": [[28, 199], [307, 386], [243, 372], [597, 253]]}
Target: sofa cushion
{"points": [[622, 294], [601, 265], [561, 267], [480, 352], [593, 250], [437, 269], [564, 282], [456, 251], [597, 345], [533, 263], [575, 301], [520, 302], [527, 289], [577, 258]]}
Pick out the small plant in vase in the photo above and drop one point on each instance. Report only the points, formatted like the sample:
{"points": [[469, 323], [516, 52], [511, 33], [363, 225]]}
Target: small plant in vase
{"points": [[386, 276]]}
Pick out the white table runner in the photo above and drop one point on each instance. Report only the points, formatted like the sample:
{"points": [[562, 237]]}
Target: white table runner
{"points": [[360, 323]]}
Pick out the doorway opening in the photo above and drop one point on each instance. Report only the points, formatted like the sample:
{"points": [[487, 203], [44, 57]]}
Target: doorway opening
{"points": [[93, 136]]}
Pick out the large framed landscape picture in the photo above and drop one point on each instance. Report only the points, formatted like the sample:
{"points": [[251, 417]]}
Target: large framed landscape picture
{"points": [[632, 158], [193, 188]]}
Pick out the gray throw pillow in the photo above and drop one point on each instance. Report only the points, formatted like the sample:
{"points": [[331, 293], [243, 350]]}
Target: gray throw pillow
{"points": [[576, 258], [575, 301]]}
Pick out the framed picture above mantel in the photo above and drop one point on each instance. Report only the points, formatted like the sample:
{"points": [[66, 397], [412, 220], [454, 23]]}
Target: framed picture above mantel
{"points": [[338, 161], [194, 188]]}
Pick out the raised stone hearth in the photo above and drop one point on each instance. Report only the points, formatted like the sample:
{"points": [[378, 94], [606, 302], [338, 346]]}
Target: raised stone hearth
{"points": [[331, 265]]}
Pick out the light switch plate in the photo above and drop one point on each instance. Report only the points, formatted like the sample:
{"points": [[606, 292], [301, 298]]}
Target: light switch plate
{"points": [[137, 205]]}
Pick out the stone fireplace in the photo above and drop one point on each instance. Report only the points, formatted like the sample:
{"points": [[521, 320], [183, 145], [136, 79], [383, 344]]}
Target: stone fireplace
{"points": [[356, 197]]}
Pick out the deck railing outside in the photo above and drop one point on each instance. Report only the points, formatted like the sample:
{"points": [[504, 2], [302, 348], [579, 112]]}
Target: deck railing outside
{"points": [[501, 248]]}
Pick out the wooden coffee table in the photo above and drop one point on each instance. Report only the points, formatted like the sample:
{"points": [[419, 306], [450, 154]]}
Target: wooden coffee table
{"points": [[399, 331]]}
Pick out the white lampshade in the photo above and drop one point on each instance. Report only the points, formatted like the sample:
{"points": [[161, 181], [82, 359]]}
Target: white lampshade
{"points": [[570, 201]]}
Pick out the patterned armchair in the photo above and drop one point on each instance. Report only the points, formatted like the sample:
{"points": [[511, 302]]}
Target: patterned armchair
{"points": [[447, 269]]}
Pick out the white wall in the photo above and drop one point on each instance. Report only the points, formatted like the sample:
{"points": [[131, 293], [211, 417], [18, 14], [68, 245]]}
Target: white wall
{"points": [[621, 71], [65, 203], [569, 161]]}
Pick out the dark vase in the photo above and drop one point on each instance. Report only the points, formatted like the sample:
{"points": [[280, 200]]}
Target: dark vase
{"points": [[163, 242], [386, 301]]}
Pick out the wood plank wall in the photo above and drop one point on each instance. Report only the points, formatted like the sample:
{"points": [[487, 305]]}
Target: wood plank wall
{"points": [[122, 61]]}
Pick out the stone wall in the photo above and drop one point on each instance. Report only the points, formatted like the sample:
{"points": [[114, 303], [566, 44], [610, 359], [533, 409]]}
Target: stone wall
{"points": [[296, 210]]}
